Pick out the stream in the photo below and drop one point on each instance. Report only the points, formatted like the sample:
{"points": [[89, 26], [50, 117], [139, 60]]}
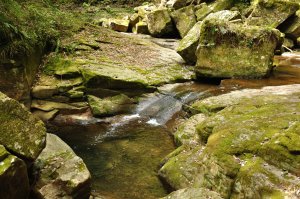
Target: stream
{"points": [[124, 152]]}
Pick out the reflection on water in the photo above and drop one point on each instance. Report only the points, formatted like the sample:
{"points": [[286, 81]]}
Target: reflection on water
{"points": [[125, 164], [123, 153]]}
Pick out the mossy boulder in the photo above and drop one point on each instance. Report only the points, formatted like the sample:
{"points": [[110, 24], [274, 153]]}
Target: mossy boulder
{"points": [[193, 193], [62, 174], [271, 13], [160, 23], [247, 150], [228, 50], [21, 132], [186, 133], [188, 45], [14, 180], [249, 185], [110, 105], [184, 19]]}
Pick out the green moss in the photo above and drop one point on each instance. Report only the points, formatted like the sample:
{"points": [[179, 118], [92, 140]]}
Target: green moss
{"points": [[233, 50], [248, 146], [62, 67], [110, 105], [271, 13]]}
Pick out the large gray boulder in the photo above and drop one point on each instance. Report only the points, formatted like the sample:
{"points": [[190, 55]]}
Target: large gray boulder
{"points": [[188, 45], [62, 174], [21, 133], [228, 50], [14, 181], [184, 19], [160, 23]]}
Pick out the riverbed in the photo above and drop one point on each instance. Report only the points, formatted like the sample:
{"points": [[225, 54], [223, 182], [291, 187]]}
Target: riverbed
{"points": [[124, 152]]}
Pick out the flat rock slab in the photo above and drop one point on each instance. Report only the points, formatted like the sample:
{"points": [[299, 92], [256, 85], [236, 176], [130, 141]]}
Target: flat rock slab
{"points": [[21, 132], [121, 61]]}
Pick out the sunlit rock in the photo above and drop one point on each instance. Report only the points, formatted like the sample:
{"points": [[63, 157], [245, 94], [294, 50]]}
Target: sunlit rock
{"points": [[62, 174], [160, 23], [249, 148], [188, 45], [228, 50]]}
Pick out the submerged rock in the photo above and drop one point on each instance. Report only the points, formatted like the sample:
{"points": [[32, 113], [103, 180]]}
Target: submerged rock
{"points": [[228, 50], [110, 105], [184, 19], [160, 23], [21, 133], [62, 174], [188, 45], [271, 13], [249, 149], [14, 180]]}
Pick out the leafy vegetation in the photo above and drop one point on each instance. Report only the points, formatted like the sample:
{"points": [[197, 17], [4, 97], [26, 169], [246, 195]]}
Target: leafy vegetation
{"points": [[26, 24]]}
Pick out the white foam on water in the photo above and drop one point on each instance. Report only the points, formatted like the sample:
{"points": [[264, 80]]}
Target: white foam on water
{"points": [[153, 122]]}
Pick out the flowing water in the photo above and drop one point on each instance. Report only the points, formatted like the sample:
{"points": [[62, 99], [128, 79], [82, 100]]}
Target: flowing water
{"points": [[124, 152]]}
